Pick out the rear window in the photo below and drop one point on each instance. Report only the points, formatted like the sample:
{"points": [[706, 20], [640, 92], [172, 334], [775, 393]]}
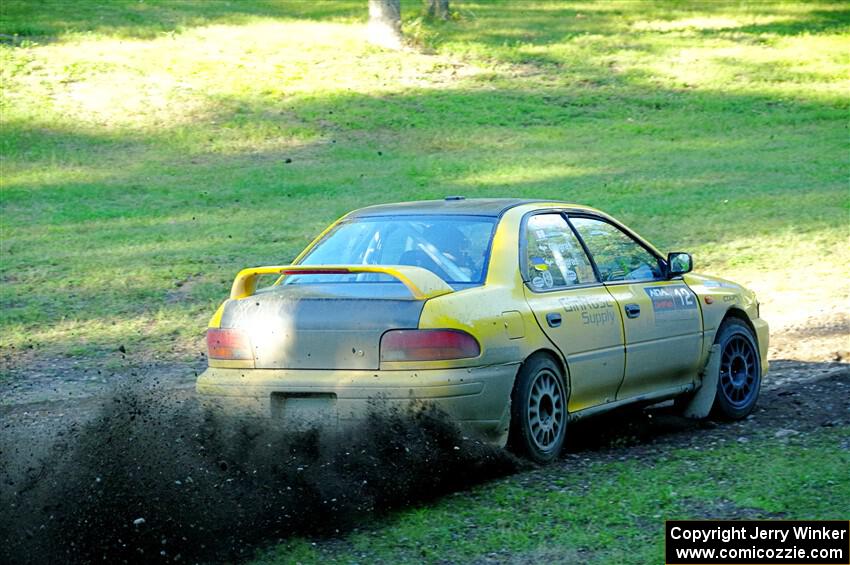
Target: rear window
{"points": [[455, 248]]}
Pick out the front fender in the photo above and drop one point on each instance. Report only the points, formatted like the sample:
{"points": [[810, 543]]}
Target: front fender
{"points": [[719, 299]]}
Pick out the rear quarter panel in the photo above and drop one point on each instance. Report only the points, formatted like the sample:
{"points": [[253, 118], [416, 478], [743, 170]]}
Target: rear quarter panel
{"points": [[498, 317]]}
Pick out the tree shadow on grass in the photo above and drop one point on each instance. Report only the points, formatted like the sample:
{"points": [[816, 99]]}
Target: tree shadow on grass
{"points": [[155, 212], [46, 20], [815, 22], [502, 26]]}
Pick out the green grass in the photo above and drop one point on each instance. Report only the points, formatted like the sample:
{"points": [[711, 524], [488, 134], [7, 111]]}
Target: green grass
{"points": [[152, 149], [603, 512], [145, 144]]}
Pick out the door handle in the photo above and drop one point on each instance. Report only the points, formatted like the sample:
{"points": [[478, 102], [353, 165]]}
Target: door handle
{"points": [[632, 310], [553, 319]]}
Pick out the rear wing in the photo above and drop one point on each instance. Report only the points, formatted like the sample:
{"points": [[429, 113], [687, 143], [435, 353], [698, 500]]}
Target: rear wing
{"points": [[422, 283]]}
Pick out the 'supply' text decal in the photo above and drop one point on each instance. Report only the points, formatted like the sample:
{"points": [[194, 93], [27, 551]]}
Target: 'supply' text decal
{"points": [[595, 310]]}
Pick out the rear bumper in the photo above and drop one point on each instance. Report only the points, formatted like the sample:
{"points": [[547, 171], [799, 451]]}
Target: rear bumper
{"points": [[477, 398]]}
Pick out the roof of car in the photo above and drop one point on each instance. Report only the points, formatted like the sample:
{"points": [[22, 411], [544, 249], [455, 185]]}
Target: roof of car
{"points": [[494, 207]]}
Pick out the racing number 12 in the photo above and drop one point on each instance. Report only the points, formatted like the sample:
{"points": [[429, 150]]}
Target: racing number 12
{"points": [[685, 297]]}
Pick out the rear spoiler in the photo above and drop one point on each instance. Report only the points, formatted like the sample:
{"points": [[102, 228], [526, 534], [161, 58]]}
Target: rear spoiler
{"points": [[422, 283]]}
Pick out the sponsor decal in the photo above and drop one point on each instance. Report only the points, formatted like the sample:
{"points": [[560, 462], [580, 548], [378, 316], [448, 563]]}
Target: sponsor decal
{"points": [[598, 318], [676, 302], [594, 310]]}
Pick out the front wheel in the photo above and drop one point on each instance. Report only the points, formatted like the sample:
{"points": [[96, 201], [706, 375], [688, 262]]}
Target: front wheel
{"points": [[538, 411], [739, 381]]}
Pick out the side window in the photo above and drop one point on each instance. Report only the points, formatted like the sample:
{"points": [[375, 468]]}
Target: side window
{"points": [[618, 257], [553, 254]]}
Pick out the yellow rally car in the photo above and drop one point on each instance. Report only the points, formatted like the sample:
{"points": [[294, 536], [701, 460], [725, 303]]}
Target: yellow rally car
{"points": [[513, 316]]}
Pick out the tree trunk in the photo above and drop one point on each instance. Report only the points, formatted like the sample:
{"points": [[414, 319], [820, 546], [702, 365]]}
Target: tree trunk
{"points": [[438, 8], [385, 23]]}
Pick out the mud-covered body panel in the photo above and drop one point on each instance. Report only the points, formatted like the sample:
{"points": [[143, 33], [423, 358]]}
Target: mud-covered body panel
{"points": [[474, 397], [303, 327]]}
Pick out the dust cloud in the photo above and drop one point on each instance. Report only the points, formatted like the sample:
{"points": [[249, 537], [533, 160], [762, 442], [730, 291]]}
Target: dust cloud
{"points": [[153, 478]]}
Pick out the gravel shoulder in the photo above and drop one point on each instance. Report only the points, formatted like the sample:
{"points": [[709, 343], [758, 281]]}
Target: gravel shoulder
{"points": [[807, 386]]}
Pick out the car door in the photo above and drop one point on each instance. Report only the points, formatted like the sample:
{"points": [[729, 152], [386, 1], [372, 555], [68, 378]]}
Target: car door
{"points": [[573, 308], [662, 321]]}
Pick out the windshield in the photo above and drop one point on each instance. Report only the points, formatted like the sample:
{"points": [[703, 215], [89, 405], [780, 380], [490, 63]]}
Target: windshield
{"points": [[455, 248]]}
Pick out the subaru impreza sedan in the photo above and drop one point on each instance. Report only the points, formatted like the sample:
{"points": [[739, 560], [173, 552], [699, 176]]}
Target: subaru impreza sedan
{"points": [[513, 316]]}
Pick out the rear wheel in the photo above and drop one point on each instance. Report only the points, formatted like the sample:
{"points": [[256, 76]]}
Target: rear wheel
{"points": [[538, 411], [739, 381]]}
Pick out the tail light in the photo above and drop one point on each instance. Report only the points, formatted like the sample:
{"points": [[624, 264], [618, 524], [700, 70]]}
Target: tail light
{"points": [[428, 345], [228, 344]]}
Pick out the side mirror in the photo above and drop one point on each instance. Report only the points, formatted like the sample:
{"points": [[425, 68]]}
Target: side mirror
{"points": [[679, 263]]}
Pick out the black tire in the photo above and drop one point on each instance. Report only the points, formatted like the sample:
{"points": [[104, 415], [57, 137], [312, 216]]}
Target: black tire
{"points": [[739, 382], [538, 411]]}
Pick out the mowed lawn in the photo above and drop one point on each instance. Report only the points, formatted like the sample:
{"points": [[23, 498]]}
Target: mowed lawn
{"points": [[151, 149]]}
